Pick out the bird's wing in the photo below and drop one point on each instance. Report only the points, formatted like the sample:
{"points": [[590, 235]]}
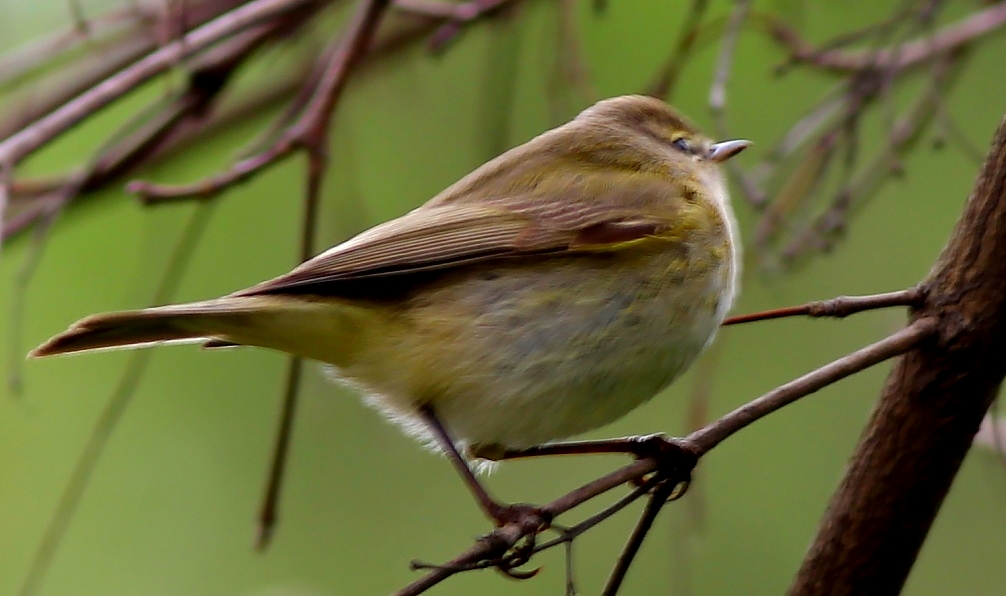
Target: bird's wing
{"points": [[444, 236]]}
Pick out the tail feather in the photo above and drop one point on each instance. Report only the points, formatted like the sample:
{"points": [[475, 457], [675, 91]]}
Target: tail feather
{"points": [[138, 327], [321, 329]]}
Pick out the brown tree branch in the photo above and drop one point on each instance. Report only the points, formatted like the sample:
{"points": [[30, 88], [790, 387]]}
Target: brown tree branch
{"points": [[456, 15], [667, 77], [495, 545], [896, 344], [20, 144], [100, 63], [839, 307], [140, 138], [308, 132], [657, 501], [904, 56], [929, 411]]}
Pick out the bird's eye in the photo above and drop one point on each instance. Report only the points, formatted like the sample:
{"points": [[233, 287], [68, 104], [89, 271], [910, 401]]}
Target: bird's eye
{"points": [[682, 145]]}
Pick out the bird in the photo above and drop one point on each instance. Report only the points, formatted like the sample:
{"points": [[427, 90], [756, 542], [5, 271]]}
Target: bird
{"points": [[547, 293]]}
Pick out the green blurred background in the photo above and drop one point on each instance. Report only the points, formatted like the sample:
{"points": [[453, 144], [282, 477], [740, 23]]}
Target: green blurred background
{"points": [[171, 507]]}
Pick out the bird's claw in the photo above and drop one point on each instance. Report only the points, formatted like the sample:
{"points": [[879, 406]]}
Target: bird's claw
{"points": [[676, 458]]}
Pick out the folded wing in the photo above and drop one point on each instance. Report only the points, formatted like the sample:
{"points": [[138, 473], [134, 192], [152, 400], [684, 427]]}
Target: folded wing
{"points": [[447, 235]]}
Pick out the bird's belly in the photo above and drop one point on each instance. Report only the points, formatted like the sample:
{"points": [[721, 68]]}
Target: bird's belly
{"points": [[514, 359], [566, 381]]}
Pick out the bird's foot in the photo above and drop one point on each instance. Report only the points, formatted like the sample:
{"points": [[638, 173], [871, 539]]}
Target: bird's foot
{"points": [[531, 519], [676, 458]]}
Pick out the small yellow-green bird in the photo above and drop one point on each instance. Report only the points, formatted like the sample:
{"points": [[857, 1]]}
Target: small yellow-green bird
{"points": [[547, 293]]}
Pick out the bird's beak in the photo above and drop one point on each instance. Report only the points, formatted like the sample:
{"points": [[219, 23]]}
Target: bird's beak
{"points": [[723, 151]]}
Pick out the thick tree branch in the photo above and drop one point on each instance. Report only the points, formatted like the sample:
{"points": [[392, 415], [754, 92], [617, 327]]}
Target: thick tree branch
{"points": [[929, 412]]}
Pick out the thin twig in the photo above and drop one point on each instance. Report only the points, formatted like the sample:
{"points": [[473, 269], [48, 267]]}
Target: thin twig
{"points": [[667, 78], [571, 533], [566, 535], [307, 132], [17, 146], [101, 63], [18, 62], [839, 307], [457, 14], [718, 97], [657, 501], [310, 132], [5, 195], [501, 540], [490, 546], [269, 511], [905, 134], [109, 418], [889, 347], [724, 64], [904, 56]]}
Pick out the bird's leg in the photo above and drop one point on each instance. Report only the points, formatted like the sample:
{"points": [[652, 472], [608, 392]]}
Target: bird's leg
{"points": [[530, 517]]}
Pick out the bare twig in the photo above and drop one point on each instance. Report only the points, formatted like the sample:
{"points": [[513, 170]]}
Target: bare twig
{"points": [[904, 56], [102, 63], [839, 307], [18, 62], [310, 132], [904, 134], [110, 415], [457, 15], [667, 78], [566, 535], [5, 196], [718, 96], [130, 147], [501, 540], [898, 343], [307, 132], [15, 147], [657, 501], [724, 64], [269, 511]]}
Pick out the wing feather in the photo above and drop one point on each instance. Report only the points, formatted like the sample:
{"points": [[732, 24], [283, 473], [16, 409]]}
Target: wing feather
{"points": [[448, 234]]}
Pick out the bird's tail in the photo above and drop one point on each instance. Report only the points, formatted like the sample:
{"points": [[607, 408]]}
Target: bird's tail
{"points": [[195, 321]]}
